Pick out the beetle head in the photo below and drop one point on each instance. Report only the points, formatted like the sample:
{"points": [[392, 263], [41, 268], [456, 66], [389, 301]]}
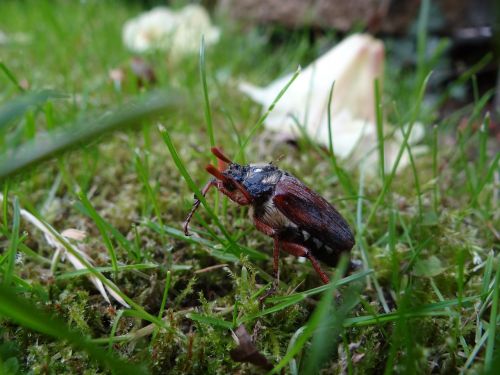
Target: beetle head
{"points": [[245, 183], [231, 175], [254, 181]]}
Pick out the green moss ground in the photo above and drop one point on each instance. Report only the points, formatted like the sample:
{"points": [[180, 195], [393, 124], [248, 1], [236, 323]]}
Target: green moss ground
{"points": [[428, 237]]}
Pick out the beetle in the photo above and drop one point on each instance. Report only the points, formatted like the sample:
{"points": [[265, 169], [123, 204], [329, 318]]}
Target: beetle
{"points": [[300, 221]]}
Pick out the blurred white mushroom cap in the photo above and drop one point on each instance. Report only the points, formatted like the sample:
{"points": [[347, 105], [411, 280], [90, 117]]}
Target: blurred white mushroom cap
{"points": [[178, 32]]}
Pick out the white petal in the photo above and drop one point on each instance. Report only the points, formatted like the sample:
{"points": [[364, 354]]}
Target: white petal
{"points": [[80, 266], [353, 65], [74, 234], [116, 297]]}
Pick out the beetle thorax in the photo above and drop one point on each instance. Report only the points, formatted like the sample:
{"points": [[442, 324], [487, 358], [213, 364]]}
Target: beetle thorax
{"points": [[258, 179]]}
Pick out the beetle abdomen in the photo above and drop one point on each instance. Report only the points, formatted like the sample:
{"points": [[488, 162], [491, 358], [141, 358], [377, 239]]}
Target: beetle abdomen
{"points": [[322, 251]]}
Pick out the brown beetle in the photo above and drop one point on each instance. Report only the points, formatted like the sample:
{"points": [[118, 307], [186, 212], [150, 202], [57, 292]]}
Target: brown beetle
{"points": [[299, 220]]}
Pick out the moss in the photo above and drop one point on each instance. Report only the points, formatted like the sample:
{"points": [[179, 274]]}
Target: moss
{"points": [[440, 252]]}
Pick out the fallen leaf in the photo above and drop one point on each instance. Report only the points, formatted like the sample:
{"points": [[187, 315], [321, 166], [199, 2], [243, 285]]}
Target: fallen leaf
{"points": [[246, 351], [429, 267]]}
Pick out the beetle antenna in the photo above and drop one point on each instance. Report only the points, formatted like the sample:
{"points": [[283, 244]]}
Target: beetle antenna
{"points": [[216, 173], [217, 151], [278, 159]]}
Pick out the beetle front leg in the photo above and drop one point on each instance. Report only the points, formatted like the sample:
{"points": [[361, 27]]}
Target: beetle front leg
{"points": [[196, 204], [264, 228], [233, 195], [240, 195]]}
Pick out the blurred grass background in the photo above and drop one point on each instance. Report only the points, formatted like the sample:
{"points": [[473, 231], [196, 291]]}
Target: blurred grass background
{"points": [[425, 301]]}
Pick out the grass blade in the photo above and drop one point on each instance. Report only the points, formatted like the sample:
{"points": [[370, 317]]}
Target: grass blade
{"points": [[380, 129], [328, 331], [487, 179], [142, 168], [11, 260], [432, 309], [89, 211], [212, 247], [112, 334], [17, 107], [490, 345], [99, 221], [423, 19], [342, 176], [416, 178], [402, 148], [261, 120], [11, 76], [210, 320], [320, 289], [165, 294], [319, 315], [59, 141], [203, 75], [435, 172], [127, 267]]}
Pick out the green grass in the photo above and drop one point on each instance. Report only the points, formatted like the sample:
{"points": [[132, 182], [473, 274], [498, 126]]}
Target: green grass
{"points": [[123, 165]]}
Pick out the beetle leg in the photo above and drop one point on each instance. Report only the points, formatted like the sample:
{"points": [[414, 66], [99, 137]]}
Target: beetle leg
{"points": [[269, 231], [302, 251], [318, 269], [196, 204], [264, 228], [240, 199], [276, 269], [276, 263]]}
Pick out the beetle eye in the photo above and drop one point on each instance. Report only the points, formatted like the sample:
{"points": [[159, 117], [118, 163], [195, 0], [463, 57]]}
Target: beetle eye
{"points": [[230, 186]]}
